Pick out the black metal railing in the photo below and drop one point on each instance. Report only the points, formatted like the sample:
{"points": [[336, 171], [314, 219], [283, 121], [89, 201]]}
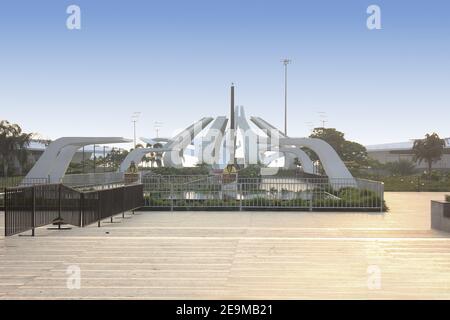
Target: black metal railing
{"points": [[19, 216], [13, 182], [27, 208]]}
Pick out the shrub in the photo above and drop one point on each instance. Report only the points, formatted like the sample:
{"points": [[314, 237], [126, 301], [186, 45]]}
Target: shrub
{"points": [[187, 171], [252, 171], [401, 167]]}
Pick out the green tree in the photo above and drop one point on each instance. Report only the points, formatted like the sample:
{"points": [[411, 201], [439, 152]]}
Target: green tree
{"points": [[353, 153], [13, 143], [203, 165], [115, 157], [429, 150]]}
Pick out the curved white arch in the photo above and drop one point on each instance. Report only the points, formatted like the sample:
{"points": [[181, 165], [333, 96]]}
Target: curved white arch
{"points": [[302, 157], [55, 160], [180, 142], [212, 141], [136, 156], [248, 135], [62, 163], [154, 141], [271, 131], [289, 155], [331, 162]]}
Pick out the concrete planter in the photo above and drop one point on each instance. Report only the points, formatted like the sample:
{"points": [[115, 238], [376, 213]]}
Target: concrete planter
{"points": [[440, 215]]}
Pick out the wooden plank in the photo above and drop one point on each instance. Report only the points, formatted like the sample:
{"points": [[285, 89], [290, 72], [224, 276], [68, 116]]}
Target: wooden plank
{"points": [[237, 255]]}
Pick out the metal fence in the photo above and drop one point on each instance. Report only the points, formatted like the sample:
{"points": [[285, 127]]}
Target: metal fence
{"points": [[102, 204], [263, 193], [93, 179], [87, 181], [27, 208], [12, 182]]}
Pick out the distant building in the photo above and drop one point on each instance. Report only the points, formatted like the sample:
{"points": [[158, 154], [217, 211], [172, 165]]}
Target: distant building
{"points": [[393, 152]]}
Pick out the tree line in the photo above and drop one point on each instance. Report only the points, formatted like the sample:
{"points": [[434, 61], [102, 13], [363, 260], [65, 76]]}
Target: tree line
{"points": [[14, 152]]}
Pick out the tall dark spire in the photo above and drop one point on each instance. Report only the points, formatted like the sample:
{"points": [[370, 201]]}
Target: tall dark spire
{"points": [[232, 121]]}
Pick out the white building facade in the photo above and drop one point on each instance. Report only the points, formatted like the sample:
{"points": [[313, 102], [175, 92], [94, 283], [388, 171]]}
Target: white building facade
{"points": [[394, 152]]}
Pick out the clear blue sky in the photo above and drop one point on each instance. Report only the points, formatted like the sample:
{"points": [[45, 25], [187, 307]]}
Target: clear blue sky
{"points": [[174, 62]]}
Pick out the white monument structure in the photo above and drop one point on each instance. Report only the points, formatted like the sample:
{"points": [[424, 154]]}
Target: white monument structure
{"points": [[57, 157], [217, 138], [254, 146]]}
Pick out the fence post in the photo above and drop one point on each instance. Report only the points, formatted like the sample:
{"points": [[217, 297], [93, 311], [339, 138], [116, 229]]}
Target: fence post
{"points": [[171, 197], [59, 205], [33, 210], [123, 202], [99, 215], [81, 208], [6, 212], [112, 215], [240, 196], [382, 197]]}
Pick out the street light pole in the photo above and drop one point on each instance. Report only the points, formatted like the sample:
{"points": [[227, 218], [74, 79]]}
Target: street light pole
{"points": [[134, 119], [158, 126], [95, 158], [134, 129], [104, 158], [83, 160], [323, 117], [285, 63]]}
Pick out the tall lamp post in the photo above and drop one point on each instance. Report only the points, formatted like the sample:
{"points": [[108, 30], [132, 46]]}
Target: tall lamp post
{"points": [[323, 118], [285, 62], [134, 119], [158, 126]]}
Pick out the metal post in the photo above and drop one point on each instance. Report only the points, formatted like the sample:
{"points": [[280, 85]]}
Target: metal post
{"points": [[83, 160], [382, 197], [59, 206], [5, 200], [98, 209], [134, 119], [240, 197], [33, 211], [285, 99], [112, 159], [95, 157], [171, 197], [123, 202], [134, 137], [81, 209], [285, 62]]}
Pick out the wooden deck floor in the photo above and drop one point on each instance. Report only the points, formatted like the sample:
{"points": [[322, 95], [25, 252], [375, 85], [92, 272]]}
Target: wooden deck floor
{"points": [[248, 255]]}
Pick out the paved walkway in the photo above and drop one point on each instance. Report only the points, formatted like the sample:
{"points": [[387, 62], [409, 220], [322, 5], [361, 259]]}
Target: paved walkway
{"points": [[234, 255]]}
